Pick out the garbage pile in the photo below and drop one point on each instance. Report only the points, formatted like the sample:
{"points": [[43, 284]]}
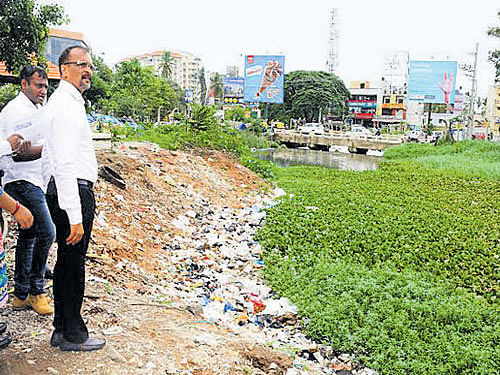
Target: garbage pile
{"points": [[217, 268]]}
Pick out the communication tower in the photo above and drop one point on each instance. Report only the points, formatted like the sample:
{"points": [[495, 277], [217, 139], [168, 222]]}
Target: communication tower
{"points": [[396, 65], [332, 64]]}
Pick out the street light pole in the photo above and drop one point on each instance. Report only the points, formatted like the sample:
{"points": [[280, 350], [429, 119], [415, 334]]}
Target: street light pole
{"points": [[470, 128], [160, 107]]}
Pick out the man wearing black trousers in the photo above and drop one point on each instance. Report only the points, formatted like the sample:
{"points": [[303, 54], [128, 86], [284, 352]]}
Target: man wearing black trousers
{"points": [[72, 163]]}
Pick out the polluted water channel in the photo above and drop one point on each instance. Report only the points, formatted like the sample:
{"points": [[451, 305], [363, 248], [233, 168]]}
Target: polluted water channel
{"points": [[286, 157]]}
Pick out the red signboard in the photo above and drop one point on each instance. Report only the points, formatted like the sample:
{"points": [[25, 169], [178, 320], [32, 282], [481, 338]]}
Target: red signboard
{"points": [[364, 116]]}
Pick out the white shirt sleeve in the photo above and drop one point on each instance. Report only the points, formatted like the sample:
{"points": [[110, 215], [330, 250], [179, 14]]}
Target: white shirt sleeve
{"points": [[5, 148], [62, 138]]}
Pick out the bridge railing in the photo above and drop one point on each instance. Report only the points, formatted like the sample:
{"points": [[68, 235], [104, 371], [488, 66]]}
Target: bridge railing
{"points": [[341, 135]]}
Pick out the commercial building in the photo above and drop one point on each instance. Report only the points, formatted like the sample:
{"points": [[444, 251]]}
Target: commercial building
{"points": [[58, 41], [493, 106], [185, 72], [391, 108], [232, 71], [362, 103]]}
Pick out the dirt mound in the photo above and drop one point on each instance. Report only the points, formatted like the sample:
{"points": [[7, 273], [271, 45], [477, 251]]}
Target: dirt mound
{"points": [[134, 288]]}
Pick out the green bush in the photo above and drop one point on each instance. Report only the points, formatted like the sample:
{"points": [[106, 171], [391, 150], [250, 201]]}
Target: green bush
{"points": [[204, 131], [7, 93], [235, 113]]}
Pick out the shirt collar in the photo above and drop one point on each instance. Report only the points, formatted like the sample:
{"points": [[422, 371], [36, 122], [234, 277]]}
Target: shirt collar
{"points": [[72, 90], [26, 101]]}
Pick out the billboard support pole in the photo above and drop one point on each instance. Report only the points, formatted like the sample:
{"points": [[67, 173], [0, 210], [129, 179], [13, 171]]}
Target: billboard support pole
{"points": [[429, 116], [266, 111]]}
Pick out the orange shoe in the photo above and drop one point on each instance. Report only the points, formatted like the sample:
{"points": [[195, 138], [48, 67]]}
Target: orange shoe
{"points": [[20, 304], [41, 304]]}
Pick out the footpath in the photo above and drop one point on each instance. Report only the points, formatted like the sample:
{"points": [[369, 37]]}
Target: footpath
{"points": [[173, 279]]}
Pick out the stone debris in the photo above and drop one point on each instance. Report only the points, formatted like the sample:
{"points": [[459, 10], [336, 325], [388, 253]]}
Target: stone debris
{"points": [[173, 278], [115, 355]]}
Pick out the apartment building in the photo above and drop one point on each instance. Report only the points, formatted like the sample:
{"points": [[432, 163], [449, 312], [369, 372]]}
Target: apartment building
{"points": [[185, 72]]}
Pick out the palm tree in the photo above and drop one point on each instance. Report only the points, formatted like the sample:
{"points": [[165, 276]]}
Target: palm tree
{"points": [[167, 65], [203, 86], [216, 86]]}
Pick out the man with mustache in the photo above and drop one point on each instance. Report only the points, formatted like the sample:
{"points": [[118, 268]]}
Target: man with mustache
{"points": [[73, 166], [23, 181]]}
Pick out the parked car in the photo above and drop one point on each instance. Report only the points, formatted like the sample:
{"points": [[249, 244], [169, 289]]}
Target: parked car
{"points": [[415, 136], [311, 128], [359, 131]]}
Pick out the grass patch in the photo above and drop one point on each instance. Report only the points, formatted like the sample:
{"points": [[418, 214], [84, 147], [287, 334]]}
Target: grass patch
{"points": [[465, 158]]}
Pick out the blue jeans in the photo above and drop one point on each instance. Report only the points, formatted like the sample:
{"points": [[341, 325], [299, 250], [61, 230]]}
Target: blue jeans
{"points": [[33, 244]]}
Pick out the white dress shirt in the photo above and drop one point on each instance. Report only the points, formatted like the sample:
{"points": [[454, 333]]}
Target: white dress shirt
{"points": [[21, 116], [70, 151]]}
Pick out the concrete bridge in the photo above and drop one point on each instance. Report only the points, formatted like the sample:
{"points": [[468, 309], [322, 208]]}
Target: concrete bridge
{"points": [[355, 144]]}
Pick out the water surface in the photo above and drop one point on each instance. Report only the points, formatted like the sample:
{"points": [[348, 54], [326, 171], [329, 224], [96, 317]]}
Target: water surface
{"points": [[285, 157]]}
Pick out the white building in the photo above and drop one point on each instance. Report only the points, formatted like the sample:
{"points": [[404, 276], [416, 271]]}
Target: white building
{"points": [[185, 72]]}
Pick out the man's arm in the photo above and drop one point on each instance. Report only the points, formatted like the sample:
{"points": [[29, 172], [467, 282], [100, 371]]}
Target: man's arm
{"points": [[61, 140], [28, 154], [23, 149]]}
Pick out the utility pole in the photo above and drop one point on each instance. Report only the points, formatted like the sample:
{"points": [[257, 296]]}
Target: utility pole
{"points": [[470, 127]]}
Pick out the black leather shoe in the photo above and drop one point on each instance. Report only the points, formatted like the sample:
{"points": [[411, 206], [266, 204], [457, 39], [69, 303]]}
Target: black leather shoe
{"points": [[4, 341], [3, 327], [56, 338], [92, 343]]}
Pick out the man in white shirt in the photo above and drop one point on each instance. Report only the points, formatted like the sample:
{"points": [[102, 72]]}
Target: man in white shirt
{"points": [[23, 181], [70, 197]]}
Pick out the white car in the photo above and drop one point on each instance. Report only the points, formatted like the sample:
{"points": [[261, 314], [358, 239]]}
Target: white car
{"points": [[359, 131], [415, 136], [311, 128]]}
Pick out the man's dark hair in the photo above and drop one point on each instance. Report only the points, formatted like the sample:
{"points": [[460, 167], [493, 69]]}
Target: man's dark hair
{"points": [[64, 55], [28, 71]]}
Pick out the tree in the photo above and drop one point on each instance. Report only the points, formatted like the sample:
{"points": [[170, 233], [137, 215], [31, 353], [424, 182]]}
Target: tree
{"points": [[24, 29], [203, 86], [137, 91], [494, 56], [307, 93], [216, 86], [202, 118], [7, 93], [100, 89], [167, 65]]}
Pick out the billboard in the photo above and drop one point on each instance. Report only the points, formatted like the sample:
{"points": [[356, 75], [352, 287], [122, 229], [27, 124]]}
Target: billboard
{"points": [[432, 81], [188, 95], [264, 78], [233, 87]]}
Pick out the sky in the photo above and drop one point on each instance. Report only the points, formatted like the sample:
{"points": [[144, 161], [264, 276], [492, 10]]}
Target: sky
{"points": [[222, 32]]}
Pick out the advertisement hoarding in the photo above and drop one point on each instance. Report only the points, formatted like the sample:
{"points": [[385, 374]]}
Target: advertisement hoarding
{"points": [[264, 79], [188, 95], [432, 81], [233, 87]]}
